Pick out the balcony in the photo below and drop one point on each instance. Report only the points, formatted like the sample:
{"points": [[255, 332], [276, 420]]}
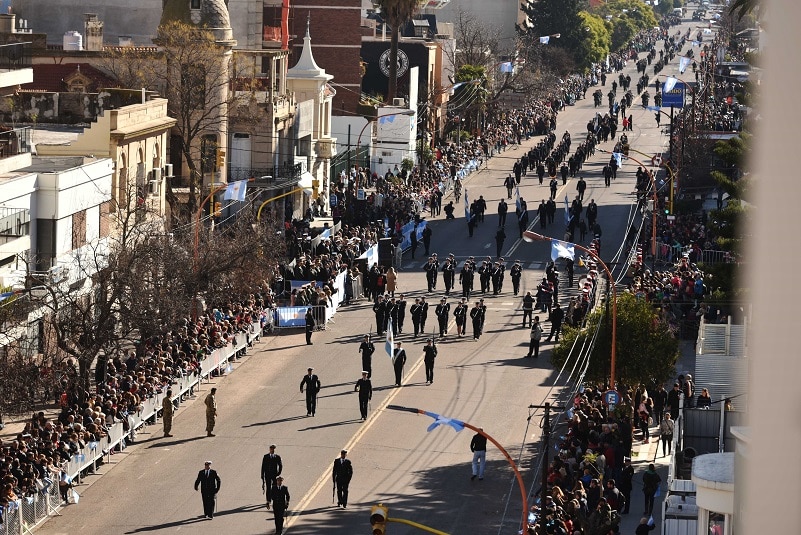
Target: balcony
{"points": [[269, 178], [15, 231], [15, 65]]}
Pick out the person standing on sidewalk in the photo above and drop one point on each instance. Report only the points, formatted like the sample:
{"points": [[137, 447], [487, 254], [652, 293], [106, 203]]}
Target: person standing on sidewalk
{"points": [[666, 433], [211, 411], [312, 384], [624, 485], [660, 401], [650, 484], [478, 445], [365, 388], [342, 474], [166, 413]]}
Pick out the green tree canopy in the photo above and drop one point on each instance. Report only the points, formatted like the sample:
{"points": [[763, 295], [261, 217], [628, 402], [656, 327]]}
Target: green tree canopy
{"points": [[646, 349], [550, 17], [595, 45], [623, 30]]}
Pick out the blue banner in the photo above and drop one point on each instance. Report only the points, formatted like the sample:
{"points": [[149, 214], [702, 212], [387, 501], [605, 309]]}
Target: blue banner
{"points": [[673, 97], [291, 316]]}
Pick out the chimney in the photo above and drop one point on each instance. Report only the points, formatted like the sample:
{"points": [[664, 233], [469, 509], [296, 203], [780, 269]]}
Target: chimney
{"points": [[93, 32], [8, 23]]}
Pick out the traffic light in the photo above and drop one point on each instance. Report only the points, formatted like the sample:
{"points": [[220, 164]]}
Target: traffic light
{"points": [[217, 209], [220, 158], [378, 519]]}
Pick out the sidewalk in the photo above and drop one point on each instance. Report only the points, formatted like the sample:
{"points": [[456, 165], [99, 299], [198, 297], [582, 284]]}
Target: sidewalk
{"points": [[643, 454]]}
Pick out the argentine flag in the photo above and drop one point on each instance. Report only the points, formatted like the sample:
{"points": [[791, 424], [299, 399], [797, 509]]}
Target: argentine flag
{"points": [[236, 191], [390, 343]]}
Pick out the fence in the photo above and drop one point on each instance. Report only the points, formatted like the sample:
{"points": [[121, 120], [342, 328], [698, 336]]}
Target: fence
{"points": [[673, 253], [21, 516]]}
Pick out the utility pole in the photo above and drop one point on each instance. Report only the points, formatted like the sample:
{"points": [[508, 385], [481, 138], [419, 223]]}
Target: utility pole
{"points": [[546, 435]]}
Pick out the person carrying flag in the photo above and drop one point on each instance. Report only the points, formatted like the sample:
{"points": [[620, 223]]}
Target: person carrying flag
{"points": [[398, 361]]}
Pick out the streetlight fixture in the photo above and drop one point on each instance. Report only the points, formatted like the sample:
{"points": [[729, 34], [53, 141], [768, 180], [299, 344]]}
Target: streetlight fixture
{"points": [[529, 236]]}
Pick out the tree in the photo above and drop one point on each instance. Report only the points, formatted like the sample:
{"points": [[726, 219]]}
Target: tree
{"points": [[476, 42], [595, 46], [550, 17], [636, 11], [623, 30], [191, 70], [396, 13], [646, 348]]}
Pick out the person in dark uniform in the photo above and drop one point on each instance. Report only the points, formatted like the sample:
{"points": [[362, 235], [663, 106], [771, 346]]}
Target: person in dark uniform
{"points": [[312, 384], [427, 238], [365, 389], [310, 323], [500, 237], [416, 310], [209, 483], [431, 273], [443, 311], [380, 311], [367, 348], [625, 484], [557, 317], [271, 468], [342, 474], [401, 304], [279, 494], [430, 351], [542, 212], [423, 313], [475, 315], [460, 313], [398, 360], [448, 272], [391, 316], [466, 277], [497, 277], [581, 187], [517, 273]]}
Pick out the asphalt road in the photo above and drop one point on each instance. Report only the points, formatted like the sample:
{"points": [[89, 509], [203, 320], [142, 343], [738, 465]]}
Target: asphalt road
{"points": [[421, 476]]}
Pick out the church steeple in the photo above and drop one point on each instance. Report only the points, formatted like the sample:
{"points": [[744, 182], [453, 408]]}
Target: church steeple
{"points": [[306, 67]]}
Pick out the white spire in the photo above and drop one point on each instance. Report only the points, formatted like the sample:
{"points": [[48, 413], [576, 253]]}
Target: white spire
{"points": [[306, 67]]}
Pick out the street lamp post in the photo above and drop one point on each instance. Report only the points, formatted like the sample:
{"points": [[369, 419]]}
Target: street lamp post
{"points": [[373, 120], [530, 236]]}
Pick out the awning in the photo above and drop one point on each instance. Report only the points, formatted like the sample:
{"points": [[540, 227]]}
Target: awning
{"points": [[306, 182]]}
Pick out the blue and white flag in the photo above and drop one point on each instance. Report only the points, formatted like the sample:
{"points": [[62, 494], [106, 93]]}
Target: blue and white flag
{"points": [[517, 198], [236, 191], [684, 62], [390, 343], [507, 66], [654, 108], [466, 206], [545, 39], [567, 211], [458, 425], [618, 156], [670, 83], [561, 249]]}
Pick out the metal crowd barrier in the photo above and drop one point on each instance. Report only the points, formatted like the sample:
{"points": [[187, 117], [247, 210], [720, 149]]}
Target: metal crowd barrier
{"points": [[22, 515]]}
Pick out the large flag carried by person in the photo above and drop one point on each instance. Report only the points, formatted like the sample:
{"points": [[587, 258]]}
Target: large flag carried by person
{"points": [[561, 249], [567, 211], [466, 206], [517, 198], [618, 158], [390, 343], [236, 191]]}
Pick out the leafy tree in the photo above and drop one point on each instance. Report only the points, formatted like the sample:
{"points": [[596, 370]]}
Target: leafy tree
{"points": [[595, 45], [550, 17], [646, 349], [638, 12], [396, 13], [623, 30]]}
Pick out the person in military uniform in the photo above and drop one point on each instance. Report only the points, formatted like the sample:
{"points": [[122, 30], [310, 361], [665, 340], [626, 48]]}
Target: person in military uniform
{"points": [[271, 468], [497, 274], [484, 275], [423, 313], [391, 316], [398, 361], [466, 277], [401, 304], [310, 323], [475, 315], [448, 271], [443, 311], [211, 411], [279, 494], [312, 384], [460, 313], [166, 413], [367, 348], [430, 352], [416, 311], [365, 389], [380, 311], [431, 273], [517, 273], [342, 473]]}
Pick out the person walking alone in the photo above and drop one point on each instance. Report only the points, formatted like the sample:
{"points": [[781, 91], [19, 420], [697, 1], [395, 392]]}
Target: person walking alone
{"points": [[279, 494], [167, 409], [478, 445], [430, 351], [209, 483], [650, 484], [398, 361], [211, 412], [365, 389], [312, 384], [342, 474], [666, 433], [271, 468], [367, 348]]}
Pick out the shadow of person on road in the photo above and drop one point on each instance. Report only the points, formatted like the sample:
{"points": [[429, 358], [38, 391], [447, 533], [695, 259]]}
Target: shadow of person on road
{"points": [[197, 519]]}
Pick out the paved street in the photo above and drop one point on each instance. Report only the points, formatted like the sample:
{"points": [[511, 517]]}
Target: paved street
{"points": [[422, 476]]}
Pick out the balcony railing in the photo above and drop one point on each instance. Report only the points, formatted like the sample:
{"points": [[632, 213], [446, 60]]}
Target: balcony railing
{"points": [[15, 141], [14, 223], [14, 56]]}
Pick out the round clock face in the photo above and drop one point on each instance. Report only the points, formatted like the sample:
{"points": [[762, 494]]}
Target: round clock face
{"points": [[403, 62]]}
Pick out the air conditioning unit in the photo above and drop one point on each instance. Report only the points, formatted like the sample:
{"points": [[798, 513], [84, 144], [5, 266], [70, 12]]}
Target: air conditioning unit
{"points": [[157, 174], [154, 187], [168, 170], [399, 101]]}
